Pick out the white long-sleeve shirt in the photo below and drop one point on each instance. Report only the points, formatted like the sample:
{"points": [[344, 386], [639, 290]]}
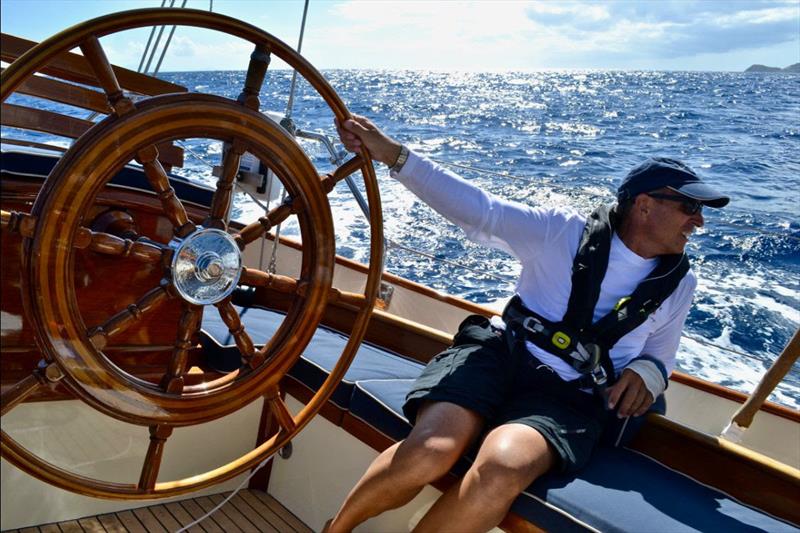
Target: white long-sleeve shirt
{"points": [[545, 241]]}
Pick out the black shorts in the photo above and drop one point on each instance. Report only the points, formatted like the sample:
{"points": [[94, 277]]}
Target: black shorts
{"points": [[505, 386]]}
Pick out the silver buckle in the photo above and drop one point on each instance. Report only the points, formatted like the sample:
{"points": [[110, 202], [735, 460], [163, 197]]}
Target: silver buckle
{"points": [[537, 327], [588, 360]]}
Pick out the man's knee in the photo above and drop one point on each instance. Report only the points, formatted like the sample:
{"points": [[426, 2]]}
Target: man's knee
{"points": [[510, 459], [442, 434]]}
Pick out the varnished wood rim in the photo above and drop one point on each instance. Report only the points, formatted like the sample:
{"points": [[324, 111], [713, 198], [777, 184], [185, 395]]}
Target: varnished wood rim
{"points": [[61, 204]]}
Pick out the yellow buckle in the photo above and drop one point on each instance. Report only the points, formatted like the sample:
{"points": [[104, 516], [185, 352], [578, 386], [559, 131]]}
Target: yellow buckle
{"points": [[561, 340], [622, 301]]}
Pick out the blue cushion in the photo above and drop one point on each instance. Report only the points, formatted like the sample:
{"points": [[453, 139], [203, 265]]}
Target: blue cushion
{"points": [[379, 403], [317, 360], [619, 490], [30, 161]]}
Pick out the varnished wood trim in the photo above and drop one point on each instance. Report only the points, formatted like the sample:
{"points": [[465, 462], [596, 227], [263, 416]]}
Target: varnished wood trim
{"points": [[29, 118], [514, 523], [16, 116], [65, 93], [75, 68]]}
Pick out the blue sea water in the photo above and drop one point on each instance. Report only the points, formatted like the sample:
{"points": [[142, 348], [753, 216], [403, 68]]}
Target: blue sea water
{"points": [[567, 138]]}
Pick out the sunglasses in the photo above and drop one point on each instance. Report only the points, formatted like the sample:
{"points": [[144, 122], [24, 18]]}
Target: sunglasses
{"points": [[688, 205]]}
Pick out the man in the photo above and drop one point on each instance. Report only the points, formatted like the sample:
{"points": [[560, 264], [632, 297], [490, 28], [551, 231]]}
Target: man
{"points": [[594, 326]]}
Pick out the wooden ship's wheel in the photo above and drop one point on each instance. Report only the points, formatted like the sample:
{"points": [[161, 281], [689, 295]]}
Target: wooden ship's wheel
{"points": [[202, 264]]}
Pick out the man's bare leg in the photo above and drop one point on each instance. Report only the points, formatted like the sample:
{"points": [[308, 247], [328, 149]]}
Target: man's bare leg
{"points": [[442, 433], [510, 458]]}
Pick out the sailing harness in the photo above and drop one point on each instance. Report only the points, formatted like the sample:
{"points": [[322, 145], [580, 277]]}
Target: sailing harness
{"points": [[584, 345]]}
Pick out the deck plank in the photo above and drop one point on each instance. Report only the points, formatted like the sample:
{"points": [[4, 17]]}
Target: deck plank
{"points": [[130, 522], [266, 511], [164, 517], [249, 511], [149, 521], [208, 524], [182, 516], [261, 522], [91, 525], [234, 514], [219, 517], [70, 526], [111, 523], [287, 516]]}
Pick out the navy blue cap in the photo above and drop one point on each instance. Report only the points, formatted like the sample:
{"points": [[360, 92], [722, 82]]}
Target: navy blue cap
{"points": [[659, 172]]}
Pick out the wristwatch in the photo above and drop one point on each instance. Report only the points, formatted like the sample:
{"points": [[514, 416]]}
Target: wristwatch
{"points": [[401, 159]]}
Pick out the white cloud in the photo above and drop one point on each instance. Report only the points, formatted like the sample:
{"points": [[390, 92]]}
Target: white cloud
{"points": [[547, 34]]}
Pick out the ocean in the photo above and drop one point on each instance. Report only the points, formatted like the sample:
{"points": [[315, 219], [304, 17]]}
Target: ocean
{"points": [[566, 138]]}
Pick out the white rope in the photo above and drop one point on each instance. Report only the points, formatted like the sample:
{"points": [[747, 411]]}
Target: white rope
{"points": [[231, 495]]}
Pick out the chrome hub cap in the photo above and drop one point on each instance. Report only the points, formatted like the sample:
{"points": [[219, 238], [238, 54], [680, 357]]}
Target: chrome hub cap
{"points": [[206, 266]]}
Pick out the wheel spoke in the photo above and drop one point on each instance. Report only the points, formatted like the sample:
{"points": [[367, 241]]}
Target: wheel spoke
{"points": [[105, 243], [16, 222], [250, 356], [257, 278], [158, 179], [155, 452], [124, 319], [189, 323], [96, 57], [19, 392], [254, 230], [287, 285], [221, 202], [44, 376], [353, 299], [256, 70], [350, 166], [280, 411]]}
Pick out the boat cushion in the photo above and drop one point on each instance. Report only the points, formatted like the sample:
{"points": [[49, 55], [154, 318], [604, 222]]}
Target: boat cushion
{"points": [[318, 358], [38, 162], [619, 490]]}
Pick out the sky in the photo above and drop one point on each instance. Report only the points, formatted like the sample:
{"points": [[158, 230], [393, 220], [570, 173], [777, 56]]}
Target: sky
{"points": [[714, 35]]}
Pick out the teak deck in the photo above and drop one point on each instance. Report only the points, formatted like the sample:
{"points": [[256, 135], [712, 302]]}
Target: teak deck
{"points": [[250, 511]]}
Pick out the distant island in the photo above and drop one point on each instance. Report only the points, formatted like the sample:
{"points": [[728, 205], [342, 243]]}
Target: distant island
{"points": [[764, 68]]}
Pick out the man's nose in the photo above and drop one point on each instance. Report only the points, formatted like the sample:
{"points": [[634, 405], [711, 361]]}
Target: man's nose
{"points": [[698, 219]]}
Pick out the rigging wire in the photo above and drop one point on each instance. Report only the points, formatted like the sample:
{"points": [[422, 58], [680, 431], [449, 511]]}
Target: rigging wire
{"points": [[166, 45], [289, 125], [290, 103], [149, 40], [155, 45]]}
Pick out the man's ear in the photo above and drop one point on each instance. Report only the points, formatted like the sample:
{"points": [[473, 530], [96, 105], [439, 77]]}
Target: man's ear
{"points": [[641, 205]]}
